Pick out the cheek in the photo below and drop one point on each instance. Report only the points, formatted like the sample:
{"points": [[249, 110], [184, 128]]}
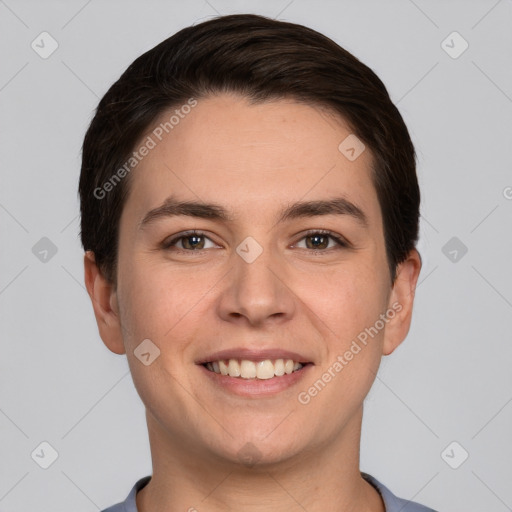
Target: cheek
{"points": [[161, 304], [346, 300], [349, 303]]}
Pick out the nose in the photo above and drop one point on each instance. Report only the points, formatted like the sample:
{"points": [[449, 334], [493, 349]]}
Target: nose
{"points": [[257, 292]]}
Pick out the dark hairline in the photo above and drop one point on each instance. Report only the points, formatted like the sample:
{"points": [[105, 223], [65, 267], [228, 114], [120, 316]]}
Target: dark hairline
{"points": [[261, 59]]}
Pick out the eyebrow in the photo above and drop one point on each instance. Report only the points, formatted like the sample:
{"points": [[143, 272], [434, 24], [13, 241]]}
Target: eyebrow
{"points": [[337, 206]]}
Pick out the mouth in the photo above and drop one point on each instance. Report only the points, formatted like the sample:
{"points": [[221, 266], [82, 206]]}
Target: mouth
{"points": [[255, 369], [251, 372]]}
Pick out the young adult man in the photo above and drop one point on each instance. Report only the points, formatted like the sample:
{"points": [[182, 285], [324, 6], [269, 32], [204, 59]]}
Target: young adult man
{"points": [[250, 210]]}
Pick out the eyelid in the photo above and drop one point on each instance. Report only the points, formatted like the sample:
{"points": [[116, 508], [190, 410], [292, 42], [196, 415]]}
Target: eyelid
{"points": [[169, 242], [340, 240]]}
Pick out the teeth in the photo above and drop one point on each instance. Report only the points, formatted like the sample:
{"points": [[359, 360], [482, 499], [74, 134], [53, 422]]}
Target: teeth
{"points": [[223, 368], [247, 369], [233, 368], [265, 369], [279, 367]]}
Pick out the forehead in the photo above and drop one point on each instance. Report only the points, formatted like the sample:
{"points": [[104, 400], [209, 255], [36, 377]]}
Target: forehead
{"points": [[253, 158]]}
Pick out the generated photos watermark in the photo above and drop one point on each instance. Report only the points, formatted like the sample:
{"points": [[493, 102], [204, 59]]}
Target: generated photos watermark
{"points": [[150, 142], [304, 397]]}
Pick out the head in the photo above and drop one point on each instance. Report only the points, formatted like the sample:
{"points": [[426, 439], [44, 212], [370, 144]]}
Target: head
{"points": [[224, 128]]}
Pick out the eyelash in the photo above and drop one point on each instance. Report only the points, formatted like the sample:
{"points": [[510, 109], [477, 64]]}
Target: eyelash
{"points": [[341, 242]]}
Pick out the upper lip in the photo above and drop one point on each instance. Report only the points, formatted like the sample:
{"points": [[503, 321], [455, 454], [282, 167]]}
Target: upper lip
{"points": [[254, 355]]}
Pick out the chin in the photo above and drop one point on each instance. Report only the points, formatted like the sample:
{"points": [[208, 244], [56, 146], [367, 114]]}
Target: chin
{"points": [[253, 452]]}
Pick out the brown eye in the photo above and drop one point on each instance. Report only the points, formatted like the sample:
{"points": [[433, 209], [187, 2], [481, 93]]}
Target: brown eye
{"points": [[319, 240], [190, 242]]}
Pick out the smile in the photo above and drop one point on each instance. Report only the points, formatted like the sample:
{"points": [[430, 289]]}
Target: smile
{"points": [[247, 369]]}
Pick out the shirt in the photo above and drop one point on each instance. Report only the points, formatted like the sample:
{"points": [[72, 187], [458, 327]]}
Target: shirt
{"points": [[391, 502]]}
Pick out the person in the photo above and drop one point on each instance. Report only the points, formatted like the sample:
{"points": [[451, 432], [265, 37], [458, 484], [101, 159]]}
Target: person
{"points": [[249, 216]]}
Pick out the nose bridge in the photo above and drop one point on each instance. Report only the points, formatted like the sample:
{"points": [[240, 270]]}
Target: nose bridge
{"points": [[256, 290], [254, 275]]}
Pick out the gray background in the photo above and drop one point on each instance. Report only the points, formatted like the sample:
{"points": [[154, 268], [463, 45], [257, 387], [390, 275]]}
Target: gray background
{"points": [[451, 379]]}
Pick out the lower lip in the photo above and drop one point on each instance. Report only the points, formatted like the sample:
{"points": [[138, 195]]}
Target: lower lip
{"points": [[256, 387]]}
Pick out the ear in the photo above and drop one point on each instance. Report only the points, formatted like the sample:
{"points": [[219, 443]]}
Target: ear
{"points": [[401, 301], [104, 302]]}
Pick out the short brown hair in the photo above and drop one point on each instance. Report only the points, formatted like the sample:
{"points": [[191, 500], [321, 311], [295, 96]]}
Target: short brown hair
{"points": [[262, 59]]}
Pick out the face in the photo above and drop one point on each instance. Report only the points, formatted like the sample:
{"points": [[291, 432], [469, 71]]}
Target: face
{"points": [[286, 261]]}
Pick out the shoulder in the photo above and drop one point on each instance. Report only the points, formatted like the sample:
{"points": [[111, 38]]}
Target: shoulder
{"points": [[129, 504], [392, 502]]}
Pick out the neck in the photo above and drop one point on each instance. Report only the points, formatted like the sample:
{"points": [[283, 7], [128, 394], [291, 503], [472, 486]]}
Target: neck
{"points": [[325, 478]]}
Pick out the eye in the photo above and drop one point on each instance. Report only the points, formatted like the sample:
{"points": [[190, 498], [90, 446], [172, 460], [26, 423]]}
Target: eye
{"points": [[189, 241], [193, 241], [321, 240]]}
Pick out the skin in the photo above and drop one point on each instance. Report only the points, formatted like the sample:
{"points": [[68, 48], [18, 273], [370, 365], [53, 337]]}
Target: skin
{"points": [[253, 160]]}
